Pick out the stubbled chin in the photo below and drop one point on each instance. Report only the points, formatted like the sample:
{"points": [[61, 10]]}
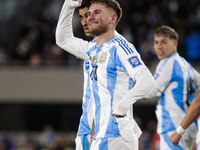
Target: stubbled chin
{"points": [[161, 57]]}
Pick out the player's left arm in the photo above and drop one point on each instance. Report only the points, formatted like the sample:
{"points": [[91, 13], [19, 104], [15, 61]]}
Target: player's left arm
{"points": [[144, 82]]}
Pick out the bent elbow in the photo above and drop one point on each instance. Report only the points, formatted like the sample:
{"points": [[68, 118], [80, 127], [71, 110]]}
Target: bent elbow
{"points": [[58, 40], [151, 82]]}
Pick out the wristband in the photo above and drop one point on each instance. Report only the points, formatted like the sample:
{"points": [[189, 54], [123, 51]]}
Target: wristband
{"points": [[180, 130]]}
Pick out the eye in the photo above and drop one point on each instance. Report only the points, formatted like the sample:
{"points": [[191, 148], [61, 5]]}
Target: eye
{"points": [[97, 11], [87, 14], [81, 17], [164, 42]]}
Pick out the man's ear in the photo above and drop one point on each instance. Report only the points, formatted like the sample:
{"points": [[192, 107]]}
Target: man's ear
{"points": [[114, 19], [176, 43]]}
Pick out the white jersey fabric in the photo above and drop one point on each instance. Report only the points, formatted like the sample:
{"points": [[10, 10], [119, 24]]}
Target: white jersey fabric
{"points": [[112, 65], [198, 136], [85, 126], [176, 81]]}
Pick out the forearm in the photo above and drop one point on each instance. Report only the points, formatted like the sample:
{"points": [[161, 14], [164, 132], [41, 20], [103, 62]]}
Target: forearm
{"points": [[144, 83], [64, 27], [64, 32], [192, 113]]}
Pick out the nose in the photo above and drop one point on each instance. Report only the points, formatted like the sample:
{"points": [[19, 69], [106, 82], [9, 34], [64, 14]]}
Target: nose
{"points": [[84, 22], [159, 45], [90, 17]]}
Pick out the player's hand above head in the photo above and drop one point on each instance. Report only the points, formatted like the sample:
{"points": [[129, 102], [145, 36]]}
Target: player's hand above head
{"points": [[74, 3]]}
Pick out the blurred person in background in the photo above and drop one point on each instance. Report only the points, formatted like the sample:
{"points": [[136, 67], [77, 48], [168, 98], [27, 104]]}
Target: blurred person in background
{"points": [[84, 135], [176, 82], [191, 115]]}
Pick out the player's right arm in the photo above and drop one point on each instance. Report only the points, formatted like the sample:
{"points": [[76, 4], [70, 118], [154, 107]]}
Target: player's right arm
{"points": [[64, 32]]}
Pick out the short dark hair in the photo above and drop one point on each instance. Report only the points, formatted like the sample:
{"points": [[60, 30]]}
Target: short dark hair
{"points": [[85, 3], [166, 31], [112, 4]]}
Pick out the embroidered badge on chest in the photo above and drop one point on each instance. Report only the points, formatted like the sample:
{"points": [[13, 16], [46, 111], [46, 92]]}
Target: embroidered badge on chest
{"points": [[103, 57], [94, 60]]}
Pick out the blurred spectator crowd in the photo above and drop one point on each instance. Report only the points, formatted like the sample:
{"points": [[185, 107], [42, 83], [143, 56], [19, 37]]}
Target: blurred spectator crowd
{"points": [[48, 139], [30, 40]]}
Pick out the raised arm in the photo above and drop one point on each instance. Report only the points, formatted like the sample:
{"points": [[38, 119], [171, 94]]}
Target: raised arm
{"points": [[64, 32]]}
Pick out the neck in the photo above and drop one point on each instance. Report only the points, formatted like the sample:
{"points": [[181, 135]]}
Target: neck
{"points": [[104, 37]]}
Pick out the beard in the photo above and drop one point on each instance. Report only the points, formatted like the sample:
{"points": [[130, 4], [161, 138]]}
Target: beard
{"points": [[98, 30]]}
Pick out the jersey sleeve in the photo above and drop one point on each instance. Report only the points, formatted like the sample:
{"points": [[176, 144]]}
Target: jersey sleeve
{"points": [[162, 76], [135, 67], [64, 32], [196, 79]]}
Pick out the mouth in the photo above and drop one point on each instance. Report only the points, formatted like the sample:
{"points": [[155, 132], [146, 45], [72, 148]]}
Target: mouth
{"points": [[92, 23], [86, 30], [160, 53]]}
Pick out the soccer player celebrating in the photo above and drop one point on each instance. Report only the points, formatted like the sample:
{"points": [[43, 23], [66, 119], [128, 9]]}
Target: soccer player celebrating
{"points": [[113, 61]]}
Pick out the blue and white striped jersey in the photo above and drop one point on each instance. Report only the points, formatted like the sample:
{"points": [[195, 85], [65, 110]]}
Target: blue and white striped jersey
{"points": [[86, 120], [113, 66], [176, 82], [113, 63], [85, 126]]}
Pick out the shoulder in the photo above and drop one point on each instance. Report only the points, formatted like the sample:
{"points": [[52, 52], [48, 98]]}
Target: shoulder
{"points": [[123, 46], [165, 63]]}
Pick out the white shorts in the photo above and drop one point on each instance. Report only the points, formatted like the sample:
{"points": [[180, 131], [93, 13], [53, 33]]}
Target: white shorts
{"points": [[83, 142], [185, 143], [114, 144]]}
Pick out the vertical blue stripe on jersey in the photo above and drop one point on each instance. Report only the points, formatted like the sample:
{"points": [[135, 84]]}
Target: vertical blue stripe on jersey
{"points": [[177, 76], [91, 50], [84, 125], [167, 124], [95, 89], [112, 127], [170, 144], [97, 105], [85, 142], [104, 144], [131, 81]]}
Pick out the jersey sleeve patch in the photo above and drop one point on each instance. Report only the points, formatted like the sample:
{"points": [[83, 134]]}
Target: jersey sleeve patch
{"points": [[134, 61]]}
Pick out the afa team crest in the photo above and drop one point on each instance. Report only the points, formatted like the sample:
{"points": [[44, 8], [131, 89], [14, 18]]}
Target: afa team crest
{"points": [[94, 60], [103, 57]]}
